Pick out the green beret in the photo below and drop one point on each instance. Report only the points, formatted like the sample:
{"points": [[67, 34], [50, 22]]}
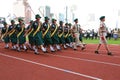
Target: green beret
{"points": [[75, 20], [70, 24], [31, 21], [102, 17], [12, 21], [37, 16], [46, 18], [20, 19], [66, 23], [54, 20], [61, 22], [4, 23]]}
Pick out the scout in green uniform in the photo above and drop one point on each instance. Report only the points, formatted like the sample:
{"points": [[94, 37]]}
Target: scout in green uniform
{"points": [[71, 35], [66, 34], [5, 36], [29, 35], [54, 33], [46, 34], [20, 30], [12, 34], [61, 34], [37, 34]]}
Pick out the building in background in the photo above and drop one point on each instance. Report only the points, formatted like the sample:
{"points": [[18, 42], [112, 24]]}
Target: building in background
{"points": [[21, 8], [61, 17], [47, 11]]}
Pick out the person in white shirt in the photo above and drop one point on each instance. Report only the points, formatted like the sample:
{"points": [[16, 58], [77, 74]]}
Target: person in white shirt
{"points": [[76, 30], [102, 36]]}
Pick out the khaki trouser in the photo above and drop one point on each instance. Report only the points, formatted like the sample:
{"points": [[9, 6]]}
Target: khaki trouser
{"points": [[77, 41]]}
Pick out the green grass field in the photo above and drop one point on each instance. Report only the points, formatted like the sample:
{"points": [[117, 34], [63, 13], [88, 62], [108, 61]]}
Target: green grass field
{"points": [[96, 41]]}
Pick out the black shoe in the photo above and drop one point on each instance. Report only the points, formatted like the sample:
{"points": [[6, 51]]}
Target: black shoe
{"points": [[109, 53], [26, 49], [45, 51], [75, 49], [6, 47], [82, 48], [18, 50], [96, 52], [52, 50]]}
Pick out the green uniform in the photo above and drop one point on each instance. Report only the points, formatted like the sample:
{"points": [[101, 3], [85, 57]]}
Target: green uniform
{"points": [[47, 37], [37, 38], [66, 35], [12, 34], [6, 37], [71, 36], [21, 38], [61, 35], [54, 34], [30, 35]]}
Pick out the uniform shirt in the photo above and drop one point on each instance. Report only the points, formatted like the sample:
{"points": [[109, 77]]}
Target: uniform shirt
{"points": [[53, 27], [3, 30], [60, 29], [28, 27], [66, 29], [19, 28], [11, 27], [45, 26], [102, 29], [76, 28], [35, 25]]}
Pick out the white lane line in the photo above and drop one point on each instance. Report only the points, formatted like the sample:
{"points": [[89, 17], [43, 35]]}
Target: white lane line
{"points": [[52, 67], [107, 63]]}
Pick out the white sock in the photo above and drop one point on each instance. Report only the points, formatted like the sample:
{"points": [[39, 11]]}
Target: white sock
{"points": [[43, 49], [18, 48], [34, 47], [51, 48], [64, 46], [7, 45], [24, 47], [36, 50], [14, 47], [57, 46]]}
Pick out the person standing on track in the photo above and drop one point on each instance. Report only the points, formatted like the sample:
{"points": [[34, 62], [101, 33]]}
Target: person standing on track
{"points": [[37, 34], [5, 35], [20, 30], [46, 35], [76, 31], [102, 36], [12, 34], [61, 35], [54, 34]]}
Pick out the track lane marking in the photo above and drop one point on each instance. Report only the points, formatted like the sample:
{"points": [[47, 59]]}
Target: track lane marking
{"points": [[52, 67], [88, 60]]}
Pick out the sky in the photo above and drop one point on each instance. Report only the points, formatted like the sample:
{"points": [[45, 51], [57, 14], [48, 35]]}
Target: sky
{"points": [[82, 8]]}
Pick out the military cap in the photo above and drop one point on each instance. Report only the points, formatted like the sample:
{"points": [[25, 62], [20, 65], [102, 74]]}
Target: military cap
{"points": [[66, 23], [75, 20], [61, 22], [31, 21], [37, 16], [102, 17], [46, 18], [54, 20], [4, 23], [20, 19], [70, 24], [12, 21]]}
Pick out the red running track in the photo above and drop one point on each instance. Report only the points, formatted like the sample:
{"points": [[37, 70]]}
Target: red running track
{"points": [[61, 65]]}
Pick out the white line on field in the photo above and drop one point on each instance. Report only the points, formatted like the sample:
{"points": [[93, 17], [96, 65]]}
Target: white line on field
{"points": [[52, 67]]}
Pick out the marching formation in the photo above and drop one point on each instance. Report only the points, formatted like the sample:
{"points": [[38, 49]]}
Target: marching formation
{"points": [[44, 36]]}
